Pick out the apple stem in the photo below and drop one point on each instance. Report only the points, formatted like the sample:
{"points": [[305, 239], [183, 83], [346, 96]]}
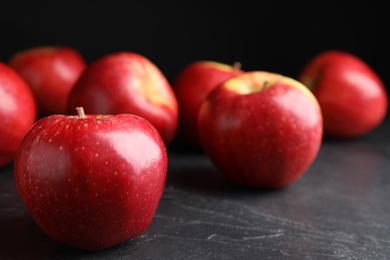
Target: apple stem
{"points": [[264, 85], [80, 112], [237, 65]]}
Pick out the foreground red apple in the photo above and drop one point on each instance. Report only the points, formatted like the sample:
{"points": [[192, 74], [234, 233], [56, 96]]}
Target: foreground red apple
{"points": [[261, 129], [127, 82], [51, 72], [352, 97], [91, 181], [191, 87], [18, 112]]}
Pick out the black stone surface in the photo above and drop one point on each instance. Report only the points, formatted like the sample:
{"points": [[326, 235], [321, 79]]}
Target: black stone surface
{"points": [[338, 210]]}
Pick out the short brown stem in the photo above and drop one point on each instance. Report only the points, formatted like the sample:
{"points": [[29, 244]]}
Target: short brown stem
{"points": [[264, 85], [80, 112], [237, 65]]}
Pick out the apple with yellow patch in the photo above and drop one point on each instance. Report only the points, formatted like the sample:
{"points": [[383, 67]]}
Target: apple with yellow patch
{"points": [[127, 82], [261, 129], [191, 86]]}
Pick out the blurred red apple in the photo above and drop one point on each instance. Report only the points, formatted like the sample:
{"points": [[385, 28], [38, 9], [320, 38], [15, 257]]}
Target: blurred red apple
{"points": [[18, 112], [51, 72], [191, 86], [91, 181], [352, 97], [127, 82], [261, 129]]}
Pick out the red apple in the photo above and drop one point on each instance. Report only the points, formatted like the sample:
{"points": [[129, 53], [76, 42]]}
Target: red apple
{"points": [[18, 112], [127, 82], [191, 86], [91, 181], [51, 72], [352, 97], [261, 129]]}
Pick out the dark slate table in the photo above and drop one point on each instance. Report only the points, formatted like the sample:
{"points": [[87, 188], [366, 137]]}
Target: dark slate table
{"points": [[340, 209]]}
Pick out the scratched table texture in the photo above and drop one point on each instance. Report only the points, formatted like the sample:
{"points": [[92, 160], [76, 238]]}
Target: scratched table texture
{"points": [[340, 209]]}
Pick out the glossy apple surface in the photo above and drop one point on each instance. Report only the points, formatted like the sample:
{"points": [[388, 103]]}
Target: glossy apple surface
{"points": [[352, 97], [191, 86], [261, 129], [18, 112], [91, 182], [50, 72], [127, 82]]}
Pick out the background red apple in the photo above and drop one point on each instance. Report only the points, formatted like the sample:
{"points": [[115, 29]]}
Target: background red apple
{"points": [[191, 86], [91, 181], [261, 129], [18, 112], [51, 72], [352, 97], [127, 82]]}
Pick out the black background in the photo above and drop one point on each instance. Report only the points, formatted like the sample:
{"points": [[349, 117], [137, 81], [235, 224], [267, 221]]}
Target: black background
{"points": [[264, 35]]}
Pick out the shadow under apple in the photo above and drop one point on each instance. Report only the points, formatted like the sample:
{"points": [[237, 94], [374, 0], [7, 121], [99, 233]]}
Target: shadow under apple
{"points": [[197, 173]]}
